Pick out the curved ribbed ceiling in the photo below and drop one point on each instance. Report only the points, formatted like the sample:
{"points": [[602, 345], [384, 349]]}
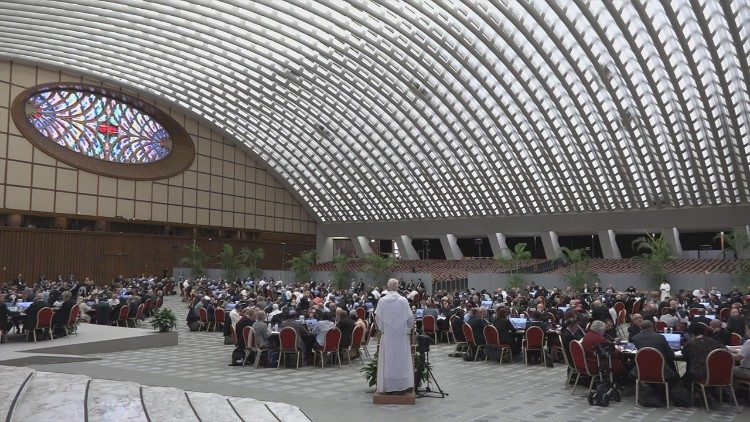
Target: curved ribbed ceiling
{"points": [[397, 110]]}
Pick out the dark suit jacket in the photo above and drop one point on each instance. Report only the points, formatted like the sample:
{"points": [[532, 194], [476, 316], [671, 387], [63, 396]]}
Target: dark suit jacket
{"points": [[346, 325], [736, 324], [601, 314], [658, 342], [633, 330], [477, 326], [62, 314], [238, 330], [31, 312]]}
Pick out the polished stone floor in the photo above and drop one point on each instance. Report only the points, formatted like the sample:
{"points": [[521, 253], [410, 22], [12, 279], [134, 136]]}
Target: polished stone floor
{"points": [[478, 391]]}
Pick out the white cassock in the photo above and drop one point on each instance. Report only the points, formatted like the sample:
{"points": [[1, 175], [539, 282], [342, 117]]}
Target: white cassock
{"points": [[665, 290], [395, 320]]}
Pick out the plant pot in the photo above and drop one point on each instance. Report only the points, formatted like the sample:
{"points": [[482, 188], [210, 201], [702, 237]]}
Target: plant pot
{"points": [[164, 330]]}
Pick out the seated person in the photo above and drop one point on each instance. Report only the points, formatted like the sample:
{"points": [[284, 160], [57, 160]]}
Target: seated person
{"points": [[456, 326], [696, 352], [238, 354], [736, 322], [648, 337], [635, 325], [742, 355], [592, 339], [536, 321], [571, 332], [346, 325], [325, 323], [718, 332], [262, 330], [669, 316], [477, 324], [32, 310], [63, 313], [505, 329], [301, 329]]}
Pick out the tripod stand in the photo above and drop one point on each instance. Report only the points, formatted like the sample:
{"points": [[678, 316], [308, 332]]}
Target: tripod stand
{"points": [[423, 363]]}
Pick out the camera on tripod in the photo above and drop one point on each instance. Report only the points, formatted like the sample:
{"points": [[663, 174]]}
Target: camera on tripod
{"points": [[423, 343]]}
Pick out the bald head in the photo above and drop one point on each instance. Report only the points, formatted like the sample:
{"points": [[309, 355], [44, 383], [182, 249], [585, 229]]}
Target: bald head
{"points": [[647, 326]]}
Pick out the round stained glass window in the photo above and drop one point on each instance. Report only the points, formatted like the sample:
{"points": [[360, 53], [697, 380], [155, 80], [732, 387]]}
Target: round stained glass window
{"points": [[103, 132]]}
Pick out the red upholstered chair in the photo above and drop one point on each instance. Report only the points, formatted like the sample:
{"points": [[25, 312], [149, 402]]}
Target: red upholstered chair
{"points": [[735, 339], [533, 341], [159, 303], [579, 361], [649, 364], [219, 316], [251, 346], [636, 307], [470, 343], [288, 345], [706, 330], [429, 327], [724, 314], [361, 313], [123, 316], [137, 317], [619, 306], [551, 317], [357, 335], [203, 315], [148, 307], [233, 333], [719, 364], [43, 322], [492, 338], [333, 340], [461, 346], [661, 326], [569, 364], [72, 323]]}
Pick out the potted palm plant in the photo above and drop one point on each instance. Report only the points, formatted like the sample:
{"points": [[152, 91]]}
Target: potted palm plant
{"points": [[164, 320]]}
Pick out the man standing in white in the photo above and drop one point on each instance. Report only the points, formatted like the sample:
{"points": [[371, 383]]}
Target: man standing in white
{"points": [[665, 290], [395, 320]]}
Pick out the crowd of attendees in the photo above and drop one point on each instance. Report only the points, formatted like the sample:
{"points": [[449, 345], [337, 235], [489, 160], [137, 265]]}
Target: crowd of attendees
{"points": [[100, 304]]}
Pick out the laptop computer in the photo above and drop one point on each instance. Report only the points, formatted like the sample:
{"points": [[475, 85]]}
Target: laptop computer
{"points": [[518, 323], [673, 339], [711, 316], [231, 306], [311, 323], [419, 313], [487, 304]]}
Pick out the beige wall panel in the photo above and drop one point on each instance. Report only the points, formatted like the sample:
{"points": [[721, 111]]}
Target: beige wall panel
{"points": [[239, 172], [204, 164], [5, 71], [215, 201], [260, 176], [65, 203], [250, 174], [228, 170], [239, 204], [202, 217], [107, 206], [125, 208], [239, 188], [215, 183], [17, 198], [227, 203], [175, 195], [4, 119], [249, 221], [239, 220], [188, 215], [160, 193], [227, 219], [176, 180], [189, 197], [107, 186], [204, 131], [5, 99], [87, 204], [42, 158], [3, 144], [88, 183], [295, 226], [260, 207], [229, 152], [43, 177], [142, 210], [191, 126], [143, 190], [250, 189], [269, 224], [250, 206], [18, 173], [190, 179], [174, 214], [23, 74], [159, 212], [19, 148], [217, 166], [215, 219], [217, 149], [204, 199], [288, 225], [204, 181], [260, 222], [44, 76], [227, 186], [42, 200], [126, 189], [287, 211], [67, 180]]}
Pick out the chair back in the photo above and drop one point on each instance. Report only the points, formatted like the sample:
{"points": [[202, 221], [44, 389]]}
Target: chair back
{"points": [[491, 336], [249, 335], [534, 337], [661, 326], [706, 330], [735, 339], [140, 311], [428, 323], [357, 335], [233, 333], [579, 357], [149, 304], [719, 365], [468, 334], [619, 306], [288, 339], [159, 303], [565, 355], [621, 316], [636, 307], [649, 363], [361, 313], [333, 340], [724, 314], [219, 315], [44, 318], [124, 312], [551, 317], [202, 314], [74, 313]]}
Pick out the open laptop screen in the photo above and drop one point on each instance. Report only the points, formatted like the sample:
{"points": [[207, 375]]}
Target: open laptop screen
{"points": [[673, 340], [518, 323]]}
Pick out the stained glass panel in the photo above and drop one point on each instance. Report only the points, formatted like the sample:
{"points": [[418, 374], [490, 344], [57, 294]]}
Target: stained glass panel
{"points": [[98, 126]]}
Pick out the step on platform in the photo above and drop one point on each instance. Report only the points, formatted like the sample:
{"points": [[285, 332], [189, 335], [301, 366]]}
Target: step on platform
{"points": [[49, 396], [166, 403], [212, 407], [115, 401], [14, 382]]}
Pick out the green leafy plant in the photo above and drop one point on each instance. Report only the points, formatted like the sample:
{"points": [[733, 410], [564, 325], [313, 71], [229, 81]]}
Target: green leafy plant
{"points": [[301, 265], [579, 271], [519, 255], [194, 258], [250, 258], [340, 274], [164, 320], [380, 267], [655, 253], [738, 243], [370, 371], [231, 264]]}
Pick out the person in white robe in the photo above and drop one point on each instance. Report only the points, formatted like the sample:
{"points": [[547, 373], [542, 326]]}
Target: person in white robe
{"points": [[395, 321], [666, 290]]}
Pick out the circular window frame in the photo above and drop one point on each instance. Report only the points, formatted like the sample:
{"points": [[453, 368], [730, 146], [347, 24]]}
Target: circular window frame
{"points": [[180, 157]]}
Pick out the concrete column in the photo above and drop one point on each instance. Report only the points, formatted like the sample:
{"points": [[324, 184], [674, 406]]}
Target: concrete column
{"points": [[323, 246], [450, 247], [499, 247], [405, 248], [361, 246], [607, 241], [672, 236], [551, 245], [739, 231]]}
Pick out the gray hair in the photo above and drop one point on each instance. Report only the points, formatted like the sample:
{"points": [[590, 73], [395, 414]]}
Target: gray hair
{"points": [[598, 326], [393, 284], [260, 315]]}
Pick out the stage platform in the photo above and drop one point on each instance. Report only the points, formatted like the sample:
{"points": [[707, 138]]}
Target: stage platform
{"points": [[91, 339]]}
